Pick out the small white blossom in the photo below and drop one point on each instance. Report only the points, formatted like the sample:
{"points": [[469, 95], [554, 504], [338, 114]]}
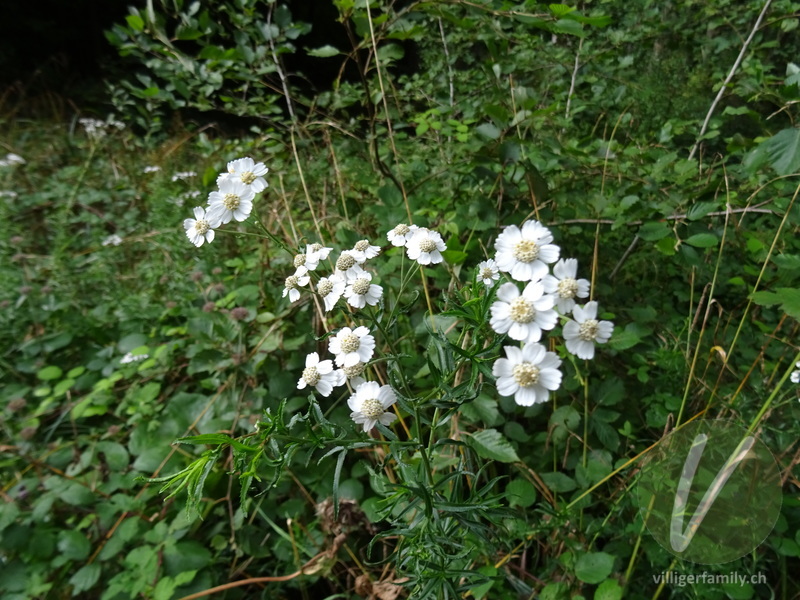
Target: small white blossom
{"points": [[314, 254], [347, 266], [795, 376], [293, 282], [12, 159], [563, 284], [523, 316], [426, 247], [201, 228], [581, 334], [529, 374], [360, 292], [351, 346], [152, 169], [363, 251], [130, 358], [400, 235], [320, 375], [11, 194], [488, 272], [181, 175], [369, 405], [524, 254], [248, 172], [331, 289], [233, 200], [114, 240]]}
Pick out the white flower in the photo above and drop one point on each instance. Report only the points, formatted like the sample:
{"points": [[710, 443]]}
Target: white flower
{"points": [[249, 172], [314, 254], [488, 272], [360, 292], [320, 375], [425, 247], [369, 405], [8, 194], [581, 334], [115, 240], [529, 374], [129, 358], [152, 169], [233, 200], [181, 175], [201, 228], [400, 235], [363, 250], [293, 282], [347, 266], [795, 376], [331, 289], [523, 316], [351, 346], [564, 285], [354, 373], [525, 254], [12, 159]]}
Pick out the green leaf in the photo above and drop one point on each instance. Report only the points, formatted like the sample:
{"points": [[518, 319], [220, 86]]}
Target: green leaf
{"points": [[325, 51], [787, 298], [488, 130], [135, 22], [73, 545], [85, 578], [115, 454], [654, 231], [558, 482], [608, 590], [490, 443], [622, 339], [783, 150], [702, 240], [49, 373], [594, 567], [700, 210], [520, 492]]}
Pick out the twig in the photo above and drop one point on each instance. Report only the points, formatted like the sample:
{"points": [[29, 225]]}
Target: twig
{"points": [[574, 77], [728, 78]]}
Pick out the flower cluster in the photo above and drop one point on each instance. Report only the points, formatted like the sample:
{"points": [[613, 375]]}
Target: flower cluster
{"points": [[353, 347], [232, 200], [97, 129], [530, 372], [795, 376]]}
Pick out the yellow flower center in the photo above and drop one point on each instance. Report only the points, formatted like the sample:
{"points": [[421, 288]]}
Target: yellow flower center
{"points": [[487, 273], [567, 288], [525, 374], [401, 229], [247, 177], [588, 330], [201, 226], [372, 408], [231, 201], [325, 287], [362, 245], [361, 286], [299, 260], [345, 261], [354, 371], [427, 245], [291, 282], [526, 251], [350, 343], [522, 311], [311, 375]]}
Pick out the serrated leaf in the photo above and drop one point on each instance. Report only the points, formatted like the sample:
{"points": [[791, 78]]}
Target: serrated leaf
{"points": [[490, 443], [654, 231], [85, 578], [702, 240], [700, 210], [622, 339], [787, 298], [608, 590], [594, 567], [783, 150]]}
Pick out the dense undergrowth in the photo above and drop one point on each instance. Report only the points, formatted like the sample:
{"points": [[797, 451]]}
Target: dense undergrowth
{"points": [[119, 336]]}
